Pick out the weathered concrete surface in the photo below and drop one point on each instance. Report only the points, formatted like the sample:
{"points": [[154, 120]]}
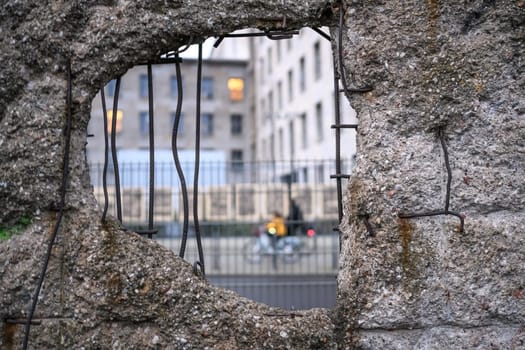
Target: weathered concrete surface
{"points": [[419, 283], [103, 38], [108, 288]]}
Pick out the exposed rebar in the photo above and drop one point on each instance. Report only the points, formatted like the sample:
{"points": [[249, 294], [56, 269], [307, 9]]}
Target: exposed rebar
{"points": [[114, 150], [176, 159], [106, 149], [151, 153], [446, 211], [197, 161], [63, 188]]}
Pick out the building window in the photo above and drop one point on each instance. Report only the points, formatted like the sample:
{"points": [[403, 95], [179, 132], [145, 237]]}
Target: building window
{"points": [[144, 123], [272, 146], [180, 129], [263, 149], [269, 60], [281, 143], [319, 121], [174, 87], [261, 70], [143, 85], [290, 85], [263, 110], [317, 60], [319, 173], [206, 124], [304, 131], [236, 124], [302, 77], [236, 88], [118, 125], [278, 51], [111, 87], [279, 94], [292, 139], [270, 104], [237, 160], [207, 88]]}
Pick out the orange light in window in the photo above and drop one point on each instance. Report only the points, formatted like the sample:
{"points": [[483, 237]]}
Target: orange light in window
{"points": [[236, 87], [118, 127]]}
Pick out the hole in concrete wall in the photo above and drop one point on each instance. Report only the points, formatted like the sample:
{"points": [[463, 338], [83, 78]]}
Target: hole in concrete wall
{"points": [[266, 141]]}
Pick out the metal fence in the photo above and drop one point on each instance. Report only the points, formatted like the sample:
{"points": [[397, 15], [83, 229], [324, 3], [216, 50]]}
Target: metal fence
{"points": [[237, 253], [297, 279]]}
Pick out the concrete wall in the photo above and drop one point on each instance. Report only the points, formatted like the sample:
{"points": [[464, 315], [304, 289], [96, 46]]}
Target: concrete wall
{"points": [[448, 80]]}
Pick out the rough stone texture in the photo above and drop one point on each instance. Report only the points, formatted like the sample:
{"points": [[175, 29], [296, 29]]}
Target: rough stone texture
{"points": [[114, 290], [419, 283], [106, 287], [103, 38]]}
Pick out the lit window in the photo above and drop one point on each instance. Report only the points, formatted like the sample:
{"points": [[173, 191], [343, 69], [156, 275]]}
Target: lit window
{"points": [[118, 126], [143, 85], [236, 88], [143, 123], [236, 124], [206, 124], [207, 88]]}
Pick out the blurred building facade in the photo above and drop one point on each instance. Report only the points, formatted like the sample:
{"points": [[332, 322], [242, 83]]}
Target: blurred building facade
{"points": [[225, 114]]}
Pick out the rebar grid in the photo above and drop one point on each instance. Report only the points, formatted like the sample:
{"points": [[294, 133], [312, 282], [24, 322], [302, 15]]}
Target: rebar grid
{"points": [[446, 211]]}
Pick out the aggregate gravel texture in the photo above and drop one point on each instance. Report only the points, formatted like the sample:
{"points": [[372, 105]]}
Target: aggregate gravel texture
{"points": [[420, 283], [414, 284]]}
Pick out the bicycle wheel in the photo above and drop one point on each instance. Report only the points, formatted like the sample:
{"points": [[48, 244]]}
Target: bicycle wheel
{"points": [[290, 255], [252, 251]]}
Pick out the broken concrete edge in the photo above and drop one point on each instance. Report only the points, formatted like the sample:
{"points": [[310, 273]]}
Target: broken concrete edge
{"points": [[91, 286]]}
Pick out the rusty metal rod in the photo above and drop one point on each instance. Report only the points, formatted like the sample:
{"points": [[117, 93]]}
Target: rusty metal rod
{"points": [[197, 161], [344, 126], [441, 135], [114, 150], [347, 90], [63, 189], [322, 33], [106, 149], [174, 150], [273, 35], [151, 152]]}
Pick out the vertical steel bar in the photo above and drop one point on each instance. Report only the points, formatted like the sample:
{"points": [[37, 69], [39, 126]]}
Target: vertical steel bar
{"points": [[106, 149], [178, 166], [114, 149], [63, 188], [338, 144], [197, 160], [447, 165], [151, 153]]}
